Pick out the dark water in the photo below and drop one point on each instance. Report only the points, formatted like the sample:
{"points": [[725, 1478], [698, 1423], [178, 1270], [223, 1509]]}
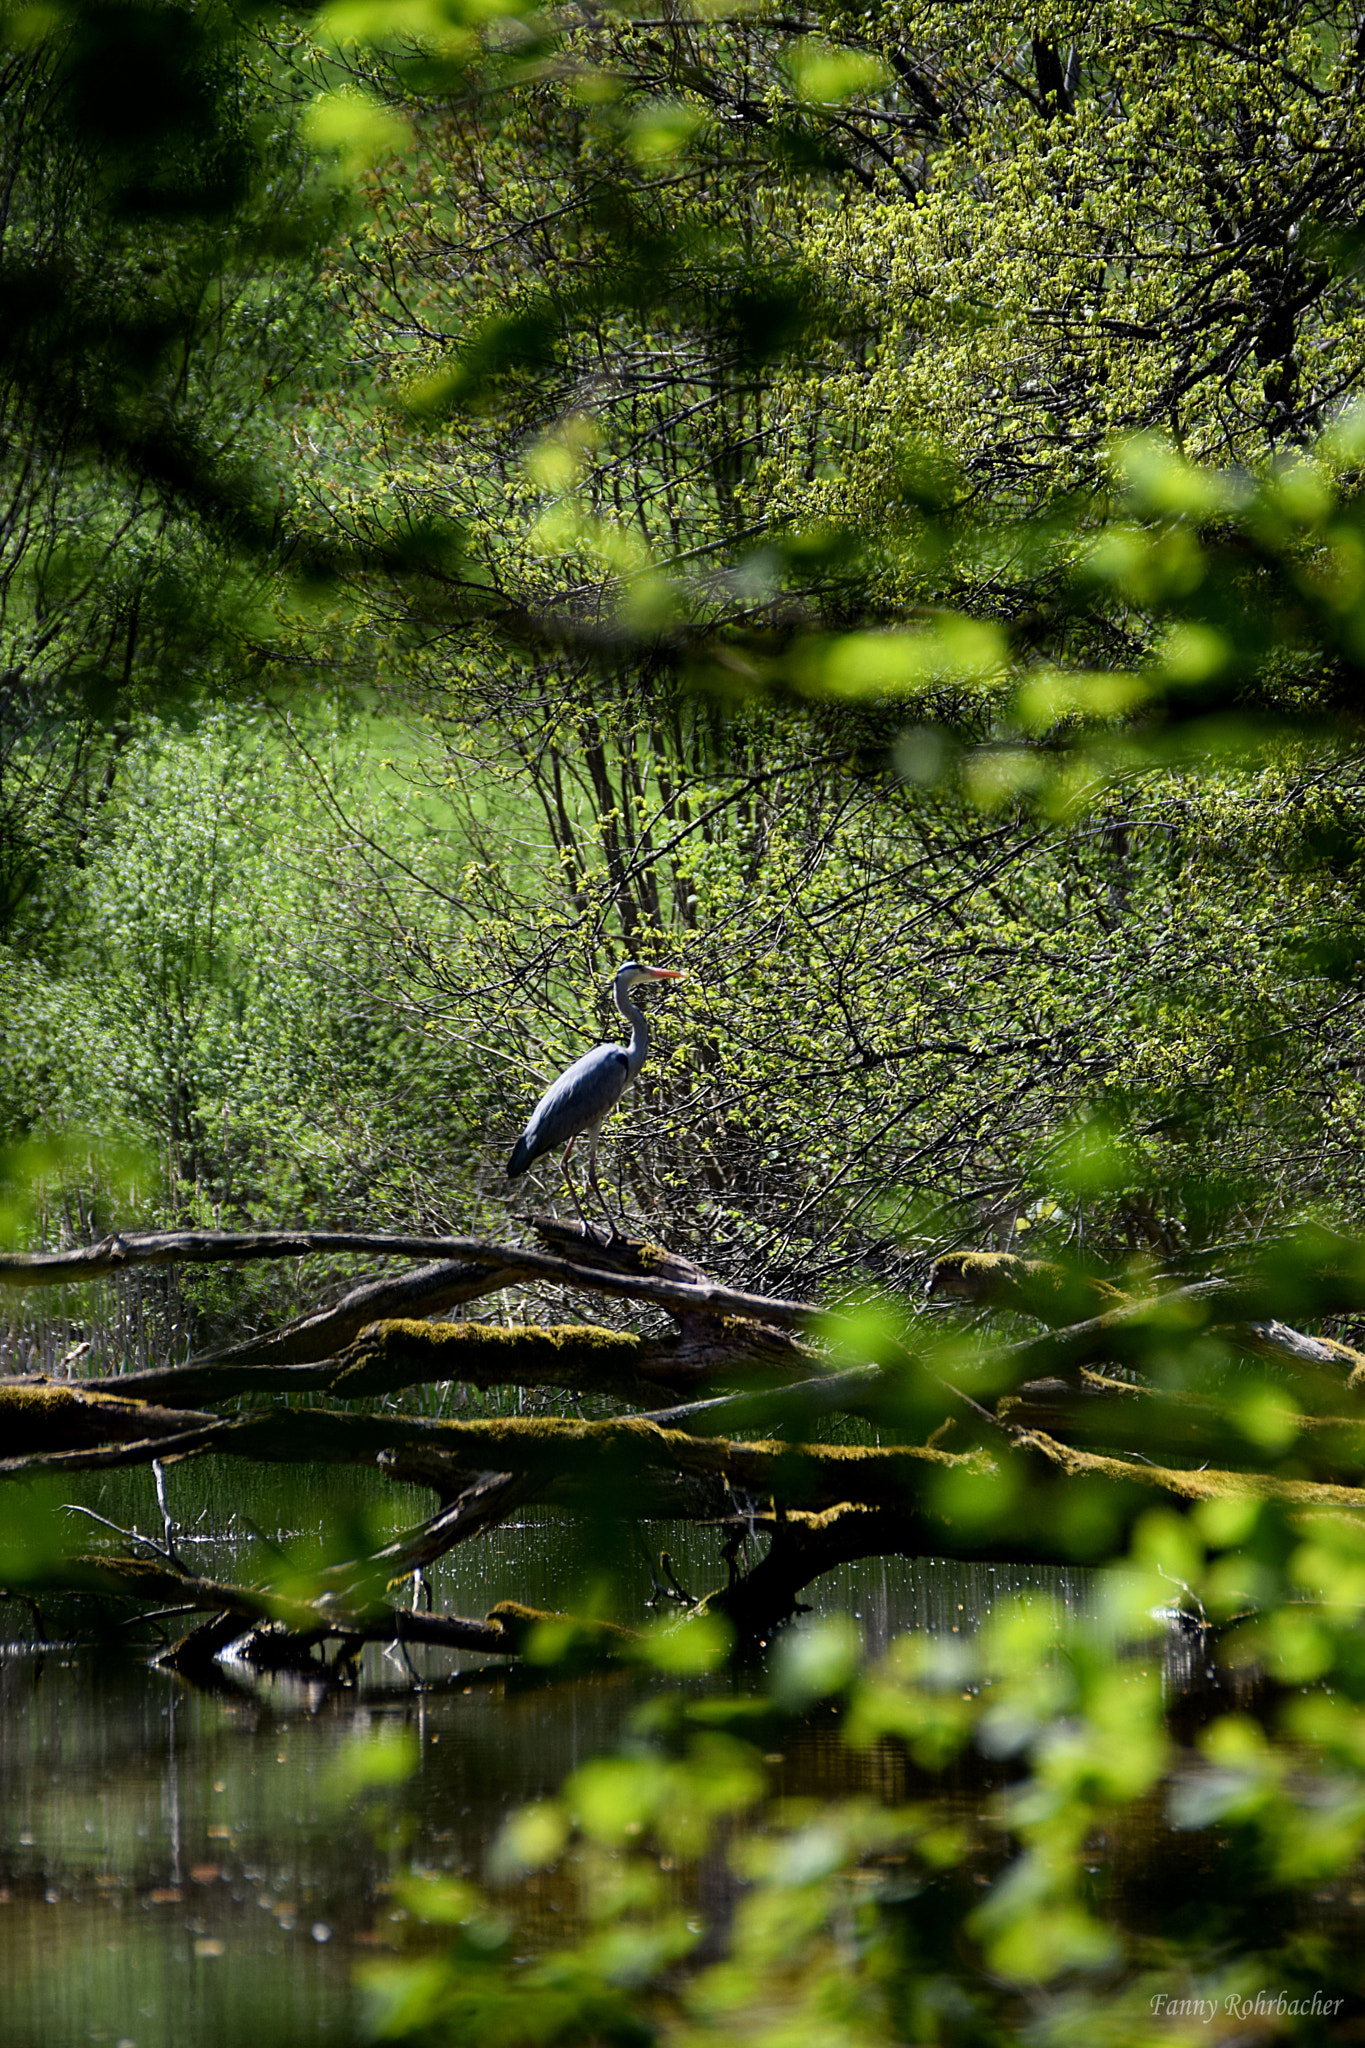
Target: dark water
{"points": [[179, 1870]]}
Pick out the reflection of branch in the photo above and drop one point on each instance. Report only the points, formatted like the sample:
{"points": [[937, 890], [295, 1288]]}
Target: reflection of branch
{"points": [[253, 1606], [295, 1626]]}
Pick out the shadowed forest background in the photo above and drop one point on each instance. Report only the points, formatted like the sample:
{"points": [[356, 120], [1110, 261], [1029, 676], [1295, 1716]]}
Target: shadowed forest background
{"points": [[430, 580], [864, 506]]}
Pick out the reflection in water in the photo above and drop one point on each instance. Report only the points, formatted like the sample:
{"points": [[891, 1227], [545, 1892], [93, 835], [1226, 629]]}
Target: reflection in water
{"points": [[184, 1871], [177, 1869]]}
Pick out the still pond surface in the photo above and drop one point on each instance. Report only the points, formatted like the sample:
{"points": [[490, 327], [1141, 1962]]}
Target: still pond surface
{"points": [[190, 1870]]}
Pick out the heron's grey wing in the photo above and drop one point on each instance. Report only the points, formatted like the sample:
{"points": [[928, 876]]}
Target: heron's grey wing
{"points": [[575, 1102]]}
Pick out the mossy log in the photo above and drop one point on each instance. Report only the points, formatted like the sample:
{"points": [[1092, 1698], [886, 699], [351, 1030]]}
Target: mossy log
{"points": [[804, 1544], [1055, 1294], [1118, 1416], [46, 1417], [1127, 1337], [629, 1467], [334, 1348], [1103, 1413], [1205, 1483], [582, 1358], [622, 1466], [746, 1462], [820, 1505], [1083, 1307], [323, 1333], [1126, 1333]]}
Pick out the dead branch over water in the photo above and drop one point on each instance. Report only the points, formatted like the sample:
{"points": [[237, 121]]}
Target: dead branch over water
{"points": [[1065, 1407], [488, 1267]]}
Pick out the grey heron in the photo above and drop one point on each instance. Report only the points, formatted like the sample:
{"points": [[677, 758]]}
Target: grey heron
{"points": [[577, 1104]]}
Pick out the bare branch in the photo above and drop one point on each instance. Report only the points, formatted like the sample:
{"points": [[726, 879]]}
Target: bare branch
{"points": [[503, 1265]]}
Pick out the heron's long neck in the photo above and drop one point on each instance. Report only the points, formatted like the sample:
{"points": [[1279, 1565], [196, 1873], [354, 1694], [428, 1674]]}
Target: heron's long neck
{"points": [[638, 1050]]}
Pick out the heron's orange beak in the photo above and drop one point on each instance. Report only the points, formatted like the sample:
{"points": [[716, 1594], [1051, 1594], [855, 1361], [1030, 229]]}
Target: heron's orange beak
{"points": [[666, 973]]}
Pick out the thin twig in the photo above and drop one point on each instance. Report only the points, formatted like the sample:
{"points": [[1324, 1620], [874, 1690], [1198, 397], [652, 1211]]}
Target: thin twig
{"points": [[72, 1507]]}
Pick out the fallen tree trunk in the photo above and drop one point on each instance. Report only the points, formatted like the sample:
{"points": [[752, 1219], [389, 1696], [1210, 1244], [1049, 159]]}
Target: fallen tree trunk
{"points": [[387, 1356], [324, 1332], [994, 1482], [581, 1358], [1121, 1328], [58, 1426], [1118, 1416], [893, 1516], [620, 1466], [628, 1466], [500, 1265], [52, 1417]]}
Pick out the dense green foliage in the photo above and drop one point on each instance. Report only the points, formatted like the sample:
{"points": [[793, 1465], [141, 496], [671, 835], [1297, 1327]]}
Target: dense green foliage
{"points": [[670, 486], [156, 255], [866, 1921], [580, 293]]}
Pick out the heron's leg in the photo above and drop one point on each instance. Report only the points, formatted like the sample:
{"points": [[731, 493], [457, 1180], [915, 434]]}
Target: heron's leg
{"points": [[564, 1169], [592, 1177]]}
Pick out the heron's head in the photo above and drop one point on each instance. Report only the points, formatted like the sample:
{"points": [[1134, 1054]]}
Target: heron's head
{"points": [[632, 974]]}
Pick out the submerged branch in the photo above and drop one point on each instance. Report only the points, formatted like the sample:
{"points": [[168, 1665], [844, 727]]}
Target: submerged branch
{"points": [[144, 1581], [504, 1631]]}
